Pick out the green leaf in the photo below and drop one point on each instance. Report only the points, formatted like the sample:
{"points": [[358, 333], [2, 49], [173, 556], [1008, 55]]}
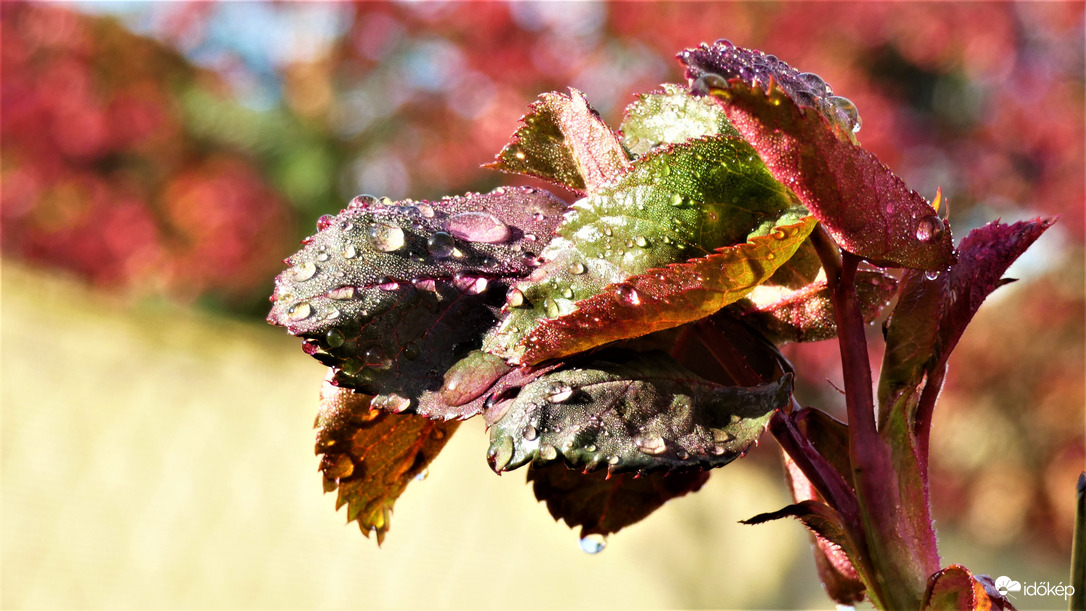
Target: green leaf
{"points": [[371, 456], [391, 296], [671, 116], [806, 315], [675, 203], [630, 411], [665, 297], [563, 140], [601, 503]]}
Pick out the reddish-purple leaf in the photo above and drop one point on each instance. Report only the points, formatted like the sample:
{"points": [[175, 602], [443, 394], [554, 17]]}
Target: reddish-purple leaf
{"points": [[601, 503], [866, 208], [563, 140], [806, 315], [371, 456], [666, 297], [956, 589]]}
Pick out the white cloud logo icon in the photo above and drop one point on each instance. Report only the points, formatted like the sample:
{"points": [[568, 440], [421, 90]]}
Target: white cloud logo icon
{"points": [[1005, 584]]}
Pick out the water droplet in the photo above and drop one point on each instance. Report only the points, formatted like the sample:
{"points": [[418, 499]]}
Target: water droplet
{"points": [[530, 433], [929, 229], [471, 376], [500, 453], [628, 294], [815, 84], [373, 357], [411, 351], [478, 227], [322, 256], [593, 543], [550, 308], [709, 82], [350, 252], [440, 245], [514, 298], [559, 392], [422, 475], [305, 271], [325, 221], [391, 403], [653, 444], [299, 311], [334, 338], [641, 241], [426, 210], [363, 201], [613, 460], [846, 113], [676, 200], [931, 275], [332, 314], [567, 293], [386, 238], [547, 452], [577, 268], [342, 293]]}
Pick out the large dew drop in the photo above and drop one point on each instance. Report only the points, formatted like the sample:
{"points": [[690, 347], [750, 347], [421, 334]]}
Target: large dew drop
{"points": [[593, 543], [929, 229], [386, 238], [478, 227], [846, 113], [441, 245], [559, 392]]}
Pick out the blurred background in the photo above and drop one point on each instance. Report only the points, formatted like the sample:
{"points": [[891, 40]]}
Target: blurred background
{"points": [[159, 160]]}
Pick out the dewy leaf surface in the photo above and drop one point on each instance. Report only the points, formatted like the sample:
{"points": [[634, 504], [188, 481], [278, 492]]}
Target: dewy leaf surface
{"points": [[671, 116], [866, 208], [563, 140], [371, 456], [675, 203], [391, 296], [632, 412], [602, 504], [806, 315], [666, 297]]}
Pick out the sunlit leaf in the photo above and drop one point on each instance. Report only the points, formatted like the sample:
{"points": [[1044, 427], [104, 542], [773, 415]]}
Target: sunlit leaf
{"points": [[807, 315], [956, 589], [601, 503], [676, 203], [392, 295], [627, 411], [866, 208], [563, 140], [671, 116], [370, 456], [666, 297]]}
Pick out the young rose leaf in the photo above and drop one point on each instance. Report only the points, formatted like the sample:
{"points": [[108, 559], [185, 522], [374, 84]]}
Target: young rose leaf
{"points": [[602, 504], [370, 455], [866, 208], [675, 203], [665, 297], [391, 296], [933, 312], [671, 116], [637, 412], [806, 315], [563, 140], [956, 589]]}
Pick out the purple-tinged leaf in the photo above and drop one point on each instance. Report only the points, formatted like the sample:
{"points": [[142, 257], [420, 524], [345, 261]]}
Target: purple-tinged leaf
{"points": [[666, 297], [563, 140], [601, 503], [627, 411], [806, 315], [820, 518], [371, 456], [866, 208], [391, 296]]}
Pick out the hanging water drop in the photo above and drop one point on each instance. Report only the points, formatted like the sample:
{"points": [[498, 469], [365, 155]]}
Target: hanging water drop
{"points": [[547, 452], [440, 245], [422, 475], [478, 227], [500, 453], [593, 543], [708, 82], [559, 392], [846, 113], [386, 238]]}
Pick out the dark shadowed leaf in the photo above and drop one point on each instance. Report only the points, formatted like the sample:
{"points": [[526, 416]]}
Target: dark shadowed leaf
{"points": [[665, 297], [392, 295], [629, 411], [601, 503], [671, 116], [563, 140], [371, 455], [679, 202], [866, 208], [806, 315]]}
